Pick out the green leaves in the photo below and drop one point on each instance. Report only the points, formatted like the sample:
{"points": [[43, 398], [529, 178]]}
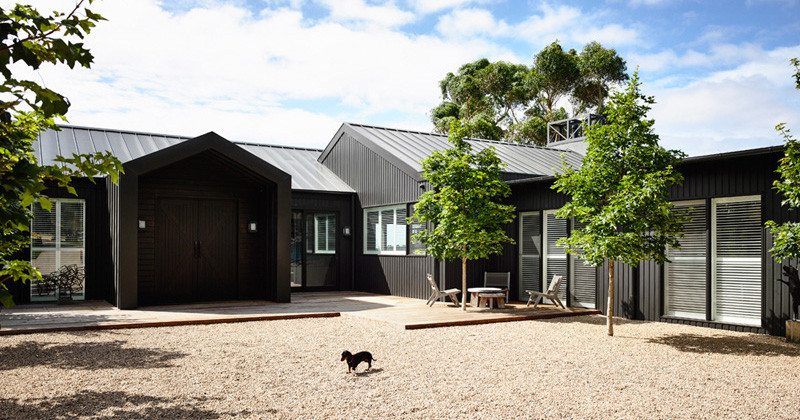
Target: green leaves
{"points": [[29, 39], [515, 102], [621, 190], [786, 237], [464, 204]]}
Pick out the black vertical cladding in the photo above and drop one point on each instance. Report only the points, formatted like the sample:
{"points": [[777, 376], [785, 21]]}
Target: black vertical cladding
{"points": [[341, 205], [98, 244], [737, 174], [379, 182]]}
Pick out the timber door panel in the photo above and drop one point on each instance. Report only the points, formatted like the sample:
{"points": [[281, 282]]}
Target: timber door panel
{"points": [[196, 250], [175, 267], [216, 248]]}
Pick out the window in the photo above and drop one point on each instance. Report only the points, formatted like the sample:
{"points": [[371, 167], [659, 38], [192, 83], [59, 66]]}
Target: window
{"points": [[58, 238], [685, 276], [735, 254], [736, 249], [325, 234], [385, 230]]}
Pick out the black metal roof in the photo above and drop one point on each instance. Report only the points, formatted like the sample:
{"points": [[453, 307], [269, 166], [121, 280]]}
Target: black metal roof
{"points": [[411, 147], [301, 163]]}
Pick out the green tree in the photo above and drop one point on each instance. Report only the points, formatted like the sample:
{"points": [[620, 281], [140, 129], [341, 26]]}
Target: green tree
{"points": [[515, 102], [486, 96], [26, 108], [600, 68], [555, 72], [786, 236], [620, 192], [464, 204]]}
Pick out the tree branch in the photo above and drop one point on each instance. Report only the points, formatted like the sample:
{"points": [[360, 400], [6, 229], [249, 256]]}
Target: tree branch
{"points": [[47, 34]]}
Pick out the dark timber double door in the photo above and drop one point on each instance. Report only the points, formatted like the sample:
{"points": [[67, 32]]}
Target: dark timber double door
{"points": [[195, 250]]}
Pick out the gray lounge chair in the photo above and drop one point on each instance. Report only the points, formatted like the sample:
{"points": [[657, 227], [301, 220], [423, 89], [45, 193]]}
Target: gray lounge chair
{"points": [[451, 293], [551, 293]]}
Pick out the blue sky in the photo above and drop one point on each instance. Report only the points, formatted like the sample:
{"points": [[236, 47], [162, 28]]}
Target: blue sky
{"points": [[291, 71]]}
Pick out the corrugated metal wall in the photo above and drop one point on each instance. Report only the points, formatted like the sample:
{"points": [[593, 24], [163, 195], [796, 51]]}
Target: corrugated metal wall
{"points": [[113, 194], [376, 180], [642, 299]]}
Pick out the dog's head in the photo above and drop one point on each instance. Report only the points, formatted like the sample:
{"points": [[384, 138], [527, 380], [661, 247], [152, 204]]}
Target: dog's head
{"points": [[346, 355]]}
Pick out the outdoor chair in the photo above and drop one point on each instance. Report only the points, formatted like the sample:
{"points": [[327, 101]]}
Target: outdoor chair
{"points": [[451, 293], [551, 293], [500, 280]]}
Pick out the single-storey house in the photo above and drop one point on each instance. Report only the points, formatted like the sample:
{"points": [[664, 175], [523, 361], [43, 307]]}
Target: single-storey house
{"points": [[205, 219]]}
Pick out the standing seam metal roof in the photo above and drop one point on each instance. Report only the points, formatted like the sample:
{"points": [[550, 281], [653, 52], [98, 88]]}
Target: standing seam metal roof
{"points": [[301, 163], [411, 147]]}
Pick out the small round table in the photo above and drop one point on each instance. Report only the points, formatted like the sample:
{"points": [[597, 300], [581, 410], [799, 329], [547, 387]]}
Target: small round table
{"points": [[474, 291]]}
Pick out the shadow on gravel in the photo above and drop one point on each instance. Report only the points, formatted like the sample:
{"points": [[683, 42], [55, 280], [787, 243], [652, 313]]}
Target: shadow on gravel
{"points": [[108, 405], [590, 319], [105, 355], [754, 345], [369, 372]]}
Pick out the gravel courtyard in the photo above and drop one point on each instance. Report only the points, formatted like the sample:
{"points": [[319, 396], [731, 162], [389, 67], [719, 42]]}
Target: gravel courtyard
{"points": [[563, 368]]}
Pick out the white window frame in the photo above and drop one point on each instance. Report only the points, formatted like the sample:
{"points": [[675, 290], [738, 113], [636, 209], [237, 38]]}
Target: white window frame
{"points": [[714, 315], [327, 217], [378, 230], [56, 203], [545, 251], [667, 310]]}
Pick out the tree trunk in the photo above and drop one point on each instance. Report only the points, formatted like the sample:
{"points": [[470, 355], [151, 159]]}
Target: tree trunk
{"points": [[610, 310], [464, 283]]}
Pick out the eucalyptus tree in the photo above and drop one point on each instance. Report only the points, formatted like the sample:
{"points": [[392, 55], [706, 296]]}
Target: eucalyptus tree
{"points": [[555, 73], [486, 96], [464, 205], [30, 39], [600, 68], [620, 192]]}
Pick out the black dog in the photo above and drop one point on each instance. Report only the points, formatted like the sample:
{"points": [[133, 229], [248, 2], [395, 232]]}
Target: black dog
{"points": [[354, 359]]}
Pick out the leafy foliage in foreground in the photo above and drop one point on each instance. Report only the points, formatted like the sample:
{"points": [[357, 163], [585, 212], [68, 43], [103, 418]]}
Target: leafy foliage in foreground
{"points": [[27, 108], [463, 204], [621, 190]]}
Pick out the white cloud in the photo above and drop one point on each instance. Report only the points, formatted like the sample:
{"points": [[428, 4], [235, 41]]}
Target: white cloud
{"points": [[222, 68], [465, 23], [386, 14], [433, 6], [730, 110], [570, 25], [616, 35]]}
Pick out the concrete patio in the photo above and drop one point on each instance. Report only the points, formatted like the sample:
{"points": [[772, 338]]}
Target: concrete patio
{"points": [[402, 312]]}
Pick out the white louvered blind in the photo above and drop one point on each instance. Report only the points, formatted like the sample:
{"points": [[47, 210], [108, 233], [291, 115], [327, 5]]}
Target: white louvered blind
{"points": [[530, 235], [58, 238], [736, 247], [555, 257], [685, 276], [584, 279], [325, 241]]}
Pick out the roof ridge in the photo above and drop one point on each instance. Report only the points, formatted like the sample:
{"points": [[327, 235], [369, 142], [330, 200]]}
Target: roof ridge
{"points": [[277, 146], [506, 143], [116, 130]]}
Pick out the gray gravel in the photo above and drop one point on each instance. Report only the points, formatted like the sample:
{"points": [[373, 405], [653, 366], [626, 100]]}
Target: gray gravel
{"points": [[566, 368]]}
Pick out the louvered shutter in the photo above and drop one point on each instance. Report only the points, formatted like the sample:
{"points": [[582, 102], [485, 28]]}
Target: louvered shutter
{"points": [[555, 257], [330, 233], [685, 276], [371, 231], [529, 253], [584, 279], [400, 229], [736, 247], [58, 238]]}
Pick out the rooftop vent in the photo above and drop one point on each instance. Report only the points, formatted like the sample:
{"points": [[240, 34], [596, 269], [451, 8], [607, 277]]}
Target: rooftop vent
{"points": [[571, 128]]}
